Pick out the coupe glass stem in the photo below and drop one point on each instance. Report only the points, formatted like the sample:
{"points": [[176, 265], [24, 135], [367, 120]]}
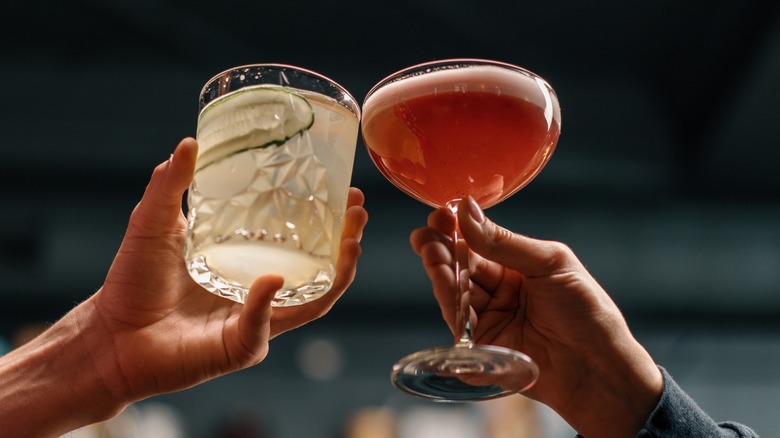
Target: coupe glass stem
{"points": [[463, 291]]}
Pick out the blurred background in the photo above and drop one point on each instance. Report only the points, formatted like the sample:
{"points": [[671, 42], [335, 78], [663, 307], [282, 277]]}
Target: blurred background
{"points": [[664, 182]]}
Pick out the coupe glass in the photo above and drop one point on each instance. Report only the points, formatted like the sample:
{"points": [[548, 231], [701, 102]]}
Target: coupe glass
{"points": [[444, 130]]}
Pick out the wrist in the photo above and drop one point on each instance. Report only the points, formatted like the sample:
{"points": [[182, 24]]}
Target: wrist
{"points": [[619, 389]]}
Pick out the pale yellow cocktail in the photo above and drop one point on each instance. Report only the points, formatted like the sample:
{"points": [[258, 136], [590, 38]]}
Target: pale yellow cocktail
{"points": [[270, 187]]}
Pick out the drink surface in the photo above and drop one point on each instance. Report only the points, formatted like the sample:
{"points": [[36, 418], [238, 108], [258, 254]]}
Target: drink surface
{"points": [[480, 131], [269, 192]]}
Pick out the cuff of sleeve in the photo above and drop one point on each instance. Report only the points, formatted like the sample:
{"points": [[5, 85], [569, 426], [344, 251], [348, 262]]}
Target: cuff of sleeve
{"points": [[678, 415]]}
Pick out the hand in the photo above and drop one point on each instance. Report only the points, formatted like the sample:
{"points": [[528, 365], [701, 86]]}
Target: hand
{"points": [[536, 297], [166, 333], [151, 329]]}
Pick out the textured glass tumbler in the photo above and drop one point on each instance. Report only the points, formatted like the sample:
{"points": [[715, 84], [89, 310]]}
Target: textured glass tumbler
{"points": [[277, 145]]}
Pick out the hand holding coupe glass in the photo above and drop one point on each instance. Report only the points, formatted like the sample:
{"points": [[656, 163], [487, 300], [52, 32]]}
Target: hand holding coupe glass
{"points": [[272, 175]]}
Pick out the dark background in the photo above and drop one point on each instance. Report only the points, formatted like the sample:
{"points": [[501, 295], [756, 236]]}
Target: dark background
{"points": [[664, 180]]}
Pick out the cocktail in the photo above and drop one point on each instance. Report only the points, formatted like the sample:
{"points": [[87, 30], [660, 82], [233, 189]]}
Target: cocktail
{"points": [[442, 131], [277, 145]]}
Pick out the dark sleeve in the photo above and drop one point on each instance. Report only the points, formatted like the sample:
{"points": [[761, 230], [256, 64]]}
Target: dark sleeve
{"points": [[677, 415]]}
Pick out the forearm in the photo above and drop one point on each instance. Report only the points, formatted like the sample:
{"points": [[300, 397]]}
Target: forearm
{"points": [[53, 384]]}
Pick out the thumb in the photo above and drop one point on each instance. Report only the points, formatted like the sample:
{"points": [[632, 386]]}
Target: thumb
{"points": [[531, 257], [160, 207], [254, 323]]}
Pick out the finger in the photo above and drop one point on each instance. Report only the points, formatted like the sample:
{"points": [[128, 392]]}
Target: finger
{"points": [[288, 318], [438, 263], [355, 220], [442, 220], [160, 207], [254, 322], [441, 225], [531, 257], [355, 197], [356, 217], [422, 236], [485, 273], [346, 269]]}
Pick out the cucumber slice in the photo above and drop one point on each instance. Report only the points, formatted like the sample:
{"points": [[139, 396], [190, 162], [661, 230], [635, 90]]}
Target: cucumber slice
{"points": [[255, 117]]}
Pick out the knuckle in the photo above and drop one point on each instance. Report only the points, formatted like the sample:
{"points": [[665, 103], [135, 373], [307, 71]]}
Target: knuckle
{"points": [[499, 236], [559, 256]]}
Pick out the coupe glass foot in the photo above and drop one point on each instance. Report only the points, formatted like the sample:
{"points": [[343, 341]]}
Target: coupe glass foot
{"points": [[459, 374]]}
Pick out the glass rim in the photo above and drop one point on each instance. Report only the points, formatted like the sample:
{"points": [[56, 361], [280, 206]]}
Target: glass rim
{"points": [[354, 108], [453, 63]]}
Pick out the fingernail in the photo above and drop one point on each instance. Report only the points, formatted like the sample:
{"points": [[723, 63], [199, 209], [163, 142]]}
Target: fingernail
{"points": [[474, 211]]}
